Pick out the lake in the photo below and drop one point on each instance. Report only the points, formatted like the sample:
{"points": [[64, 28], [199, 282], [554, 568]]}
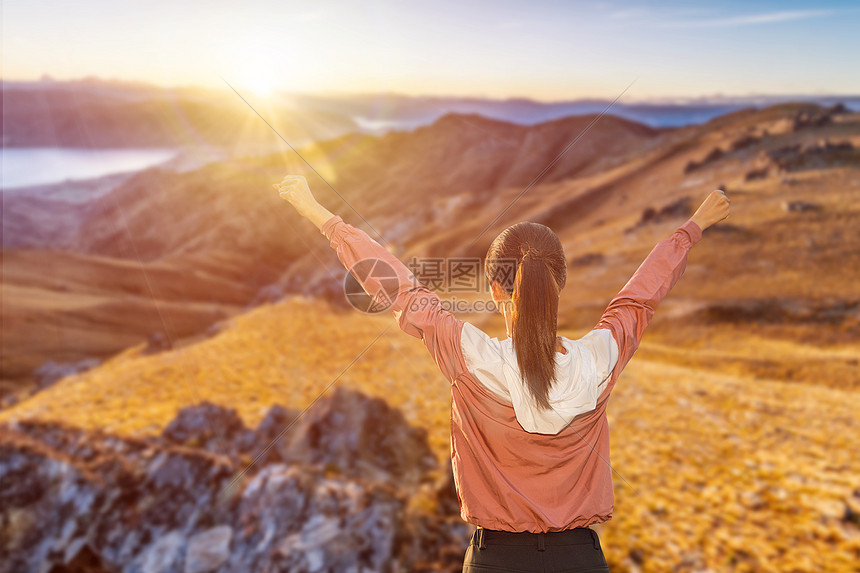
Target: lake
{"points": [[26, 166]]}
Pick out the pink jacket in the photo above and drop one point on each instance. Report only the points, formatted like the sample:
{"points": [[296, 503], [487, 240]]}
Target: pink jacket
{"points": [[516, 467]]}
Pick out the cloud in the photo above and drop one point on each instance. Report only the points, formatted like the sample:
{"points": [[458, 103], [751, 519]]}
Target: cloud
{"points": [[750, 19]]}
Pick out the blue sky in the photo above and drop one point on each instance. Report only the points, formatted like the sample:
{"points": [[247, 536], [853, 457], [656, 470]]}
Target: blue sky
{"points": [[545, 50]]}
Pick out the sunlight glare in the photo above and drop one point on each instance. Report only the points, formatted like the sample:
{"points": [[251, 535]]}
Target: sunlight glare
{"points": [[259, 79], [252, 65]]}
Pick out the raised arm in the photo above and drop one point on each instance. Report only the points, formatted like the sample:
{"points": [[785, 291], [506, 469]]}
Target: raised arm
{"points": [[630, 312], [418, 310], [294, 188]]}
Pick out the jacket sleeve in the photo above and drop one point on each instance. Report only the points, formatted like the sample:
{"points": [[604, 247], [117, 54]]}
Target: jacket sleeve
{"points": [[391, 284], [630, 312]]}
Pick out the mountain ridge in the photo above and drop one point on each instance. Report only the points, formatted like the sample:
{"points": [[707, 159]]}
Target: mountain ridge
{"points": [[431, 192]]}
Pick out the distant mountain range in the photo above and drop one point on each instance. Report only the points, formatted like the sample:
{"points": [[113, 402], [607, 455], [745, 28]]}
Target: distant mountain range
{"points": [[380, 113], [97, 113]]}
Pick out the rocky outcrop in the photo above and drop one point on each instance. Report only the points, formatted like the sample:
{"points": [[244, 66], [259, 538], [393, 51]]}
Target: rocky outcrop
{"points": [[785, 311], [818, 155], [678, 209], [713, 155], [800, 206], [754, 174], [328, 490], [49, 372], [744, 141], [804, 119], [345, 433]]}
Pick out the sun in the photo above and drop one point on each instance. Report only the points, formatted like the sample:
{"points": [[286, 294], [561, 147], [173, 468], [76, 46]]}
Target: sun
{"points": [[257, 75], [252, 65], [260, 84]]}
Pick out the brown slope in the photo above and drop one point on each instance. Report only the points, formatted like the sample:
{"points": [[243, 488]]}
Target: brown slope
{"points": [[177, 213], [612, 200], [770, 281], [425, 200], [225, 222], [49, 216], [467, 152], [67, 307]]}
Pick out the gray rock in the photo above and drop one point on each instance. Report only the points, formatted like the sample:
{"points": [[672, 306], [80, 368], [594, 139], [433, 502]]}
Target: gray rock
{"points": [[91, 501], [208, 550], [800, 206], [352, 434], [205, 425], [50, 372], [163, 555]]}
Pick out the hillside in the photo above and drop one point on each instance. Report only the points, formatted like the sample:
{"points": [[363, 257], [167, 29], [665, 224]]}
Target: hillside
{"points": [[384, 175], [217, 224], [616, 183], [608, 198], [781, 274], [740, 467]]}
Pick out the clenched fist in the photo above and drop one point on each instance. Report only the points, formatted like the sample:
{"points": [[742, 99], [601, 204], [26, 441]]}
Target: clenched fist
{"points": [[294, 188], [713, 209]]}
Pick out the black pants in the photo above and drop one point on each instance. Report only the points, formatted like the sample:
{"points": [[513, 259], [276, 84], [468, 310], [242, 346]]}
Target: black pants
{"points": [[563, 551]]}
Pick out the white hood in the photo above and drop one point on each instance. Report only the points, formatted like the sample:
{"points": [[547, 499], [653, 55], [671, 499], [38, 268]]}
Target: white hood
{"points": [[581, 376]]}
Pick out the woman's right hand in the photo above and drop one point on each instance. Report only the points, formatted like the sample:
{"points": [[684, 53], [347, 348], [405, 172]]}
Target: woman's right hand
{"points": [[713, 209], [294, 188]]}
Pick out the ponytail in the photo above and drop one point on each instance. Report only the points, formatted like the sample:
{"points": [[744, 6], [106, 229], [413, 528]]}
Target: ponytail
{"points": [[541, 271], [534, 323]]}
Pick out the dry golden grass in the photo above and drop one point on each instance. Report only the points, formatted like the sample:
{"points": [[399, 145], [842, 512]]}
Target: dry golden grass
{"points": [[728, 473], [276, 354], [778, 352]]}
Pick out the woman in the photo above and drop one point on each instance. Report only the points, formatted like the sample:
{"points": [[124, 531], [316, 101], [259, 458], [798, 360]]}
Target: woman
{"points": [[529, 434]]}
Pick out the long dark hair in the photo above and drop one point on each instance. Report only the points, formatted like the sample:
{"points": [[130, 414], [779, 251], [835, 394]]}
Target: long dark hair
{"points": [[527, 261]]}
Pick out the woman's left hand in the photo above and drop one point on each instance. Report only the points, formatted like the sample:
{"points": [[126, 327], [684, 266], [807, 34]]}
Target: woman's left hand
{"points": [[294, 188]]}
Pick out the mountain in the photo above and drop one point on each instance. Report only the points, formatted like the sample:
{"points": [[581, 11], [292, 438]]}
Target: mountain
{"points": [[386, 173], [437, 191], [381, 113], [96, 115], [215, 230]]}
